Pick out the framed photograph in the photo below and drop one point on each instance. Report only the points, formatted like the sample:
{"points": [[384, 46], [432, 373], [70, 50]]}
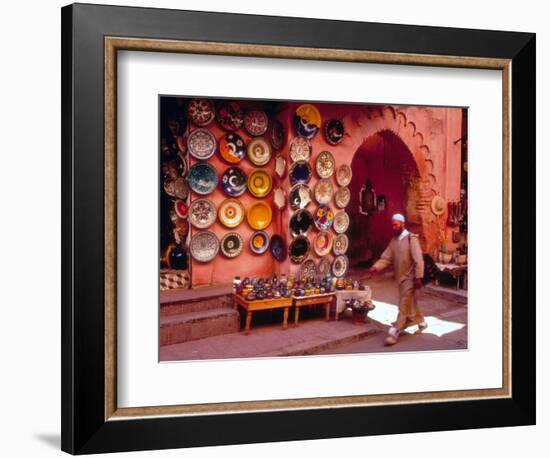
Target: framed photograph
{"points": [[284, 228]]}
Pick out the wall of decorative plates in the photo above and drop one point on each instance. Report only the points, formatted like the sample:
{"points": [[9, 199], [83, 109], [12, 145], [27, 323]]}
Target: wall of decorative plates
{"points": [[259, 187]]}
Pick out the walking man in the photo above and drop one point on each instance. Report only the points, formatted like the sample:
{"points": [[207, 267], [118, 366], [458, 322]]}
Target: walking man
{"points": [[405, 255]]}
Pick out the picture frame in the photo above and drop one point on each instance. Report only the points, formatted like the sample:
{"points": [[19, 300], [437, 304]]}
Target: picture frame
{"points": [[91, 37]]}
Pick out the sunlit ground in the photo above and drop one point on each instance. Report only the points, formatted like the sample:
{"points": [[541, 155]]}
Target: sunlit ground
{"points": [[387, 313]]}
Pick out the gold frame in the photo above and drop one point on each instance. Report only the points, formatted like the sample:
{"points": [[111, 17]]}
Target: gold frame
{"points": [[114, 44]]}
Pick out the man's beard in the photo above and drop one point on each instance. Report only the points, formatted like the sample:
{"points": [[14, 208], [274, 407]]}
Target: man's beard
{"points": [[398, 233]]}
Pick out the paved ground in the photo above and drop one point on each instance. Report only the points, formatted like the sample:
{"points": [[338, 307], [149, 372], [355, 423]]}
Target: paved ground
{"points": [[445, 311]]}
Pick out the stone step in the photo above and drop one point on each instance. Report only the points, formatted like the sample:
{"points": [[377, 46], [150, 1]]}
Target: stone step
{"points": [[199, 324], [195, 305]]}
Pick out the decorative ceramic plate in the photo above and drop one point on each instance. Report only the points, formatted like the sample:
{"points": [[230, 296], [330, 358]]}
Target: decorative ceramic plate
{"points": [[201, 144], [280, 165], [259, 183], [181, 188], [343, 175], [342, 197], [323, 191], [255, 122], [204, 246], [324, 165], [334, 131], [170, 169], [201, 111], [300, 223], [340, 245], [324, 267], [323, 243], [341, 222], [203, 178], [259, 215], [308, 270], [300, 149], [300, 196], [259, 242], [307, 120], [298, 249], [168, 186], [340, 266], [202, 213], [232, 148], [231, 245], [229, 115], [259, 151], [233, 182], [277, 247], [277, 134], [180, 207], [181, 229], [231, 213], [279, 198], [323, 218], [300, 173]]}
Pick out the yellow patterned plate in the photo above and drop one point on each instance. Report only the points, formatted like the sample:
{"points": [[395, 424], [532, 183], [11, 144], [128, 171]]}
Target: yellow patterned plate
{"points": [[259, 151], [323, 243], [259, 183], [231, 212], [259, 216]]}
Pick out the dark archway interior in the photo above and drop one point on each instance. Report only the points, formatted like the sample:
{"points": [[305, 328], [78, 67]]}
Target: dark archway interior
{"points": [[388, 164]]}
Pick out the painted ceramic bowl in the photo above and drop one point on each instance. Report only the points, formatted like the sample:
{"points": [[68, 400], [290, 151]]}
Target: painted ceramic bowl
{"points": [[229, 115], [255, 122], [259, 215], [340, 266], [341, 222], [300, 173], [277, 134], [181, 188], [203, 178], [201, 111], [232, 148], [298, 249], [324, 267], [323, 191], [259, 151], [307, 120], [202, 213], [343, 175], [204, 246], [234, 182], [231, 213], [300, 223], [342, 197], [176, 257], [340, 245], [324, 165], [168, 186], [300, 196], [231, 245], [323, 217], [259, 242], [323, 243], [334, 131], [277, 247], [181, 209], [308, 270], [259, 183], [300, 149], [201, 144]]}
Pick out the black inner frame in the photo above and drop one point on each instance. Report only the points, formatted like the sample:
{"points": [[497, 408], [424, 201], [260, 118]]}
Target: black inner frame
{"points": [[84, 429]]}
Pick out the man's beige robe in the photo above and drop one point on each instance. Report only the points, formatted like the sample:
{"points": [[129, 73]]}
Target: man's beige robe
{"points": [[405, 255]]}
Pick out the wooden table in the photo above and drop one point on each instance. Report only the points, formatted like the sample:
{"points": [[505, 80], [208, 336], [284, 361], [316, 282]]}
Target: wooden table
{"points": [[457, 271], [306, 301], [262, 304]]}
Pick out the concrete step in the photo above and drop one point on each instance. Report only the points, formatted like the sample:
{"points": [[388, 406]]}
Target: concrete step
{"points": [[199, 324], [195, 305]]}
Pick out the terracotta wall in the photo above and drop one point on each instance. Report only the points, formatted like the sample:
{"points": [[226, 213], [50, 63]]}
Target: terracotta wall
{"points": [[429, 135]]}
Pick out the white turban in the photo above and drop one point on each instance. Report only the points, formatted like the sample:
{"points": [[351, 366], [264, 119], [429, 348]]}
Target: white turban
{"points": [[398, 217]]}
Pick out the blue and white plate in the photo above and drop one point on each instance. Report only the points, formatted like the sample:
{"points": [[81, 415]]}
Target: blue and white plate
{"points": [[203, 178], [233, 182]]}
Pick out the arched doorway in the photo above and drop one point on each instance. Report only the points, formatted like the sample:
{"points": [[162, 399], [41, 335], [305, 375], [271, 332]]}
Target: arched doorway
{"points": [[384, 162]]}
